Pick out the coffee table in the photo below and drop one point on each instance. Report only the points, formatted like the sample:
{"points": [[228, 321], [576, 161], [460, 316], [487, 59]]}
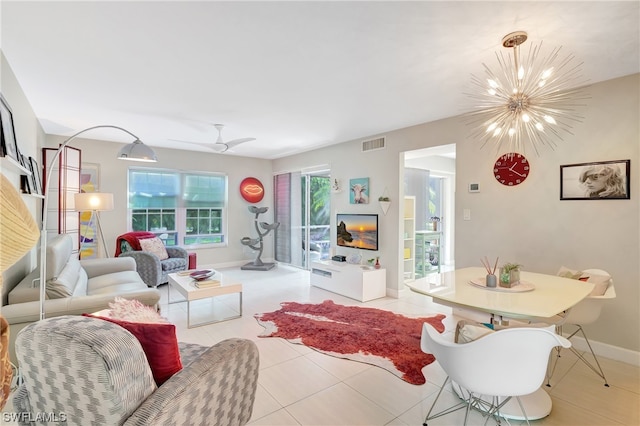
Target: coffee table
{"points": [[185, 285]]}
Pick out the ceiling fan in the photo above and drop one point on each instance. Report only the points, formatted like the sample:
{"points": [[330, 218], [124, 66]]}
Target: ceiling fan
{"points": [[220, 145]]}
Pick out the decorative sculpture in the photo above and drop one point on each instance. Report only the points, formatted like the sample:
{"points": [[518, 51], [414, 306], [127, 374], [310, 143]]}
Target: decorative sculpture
{"points": [[257, 243]]}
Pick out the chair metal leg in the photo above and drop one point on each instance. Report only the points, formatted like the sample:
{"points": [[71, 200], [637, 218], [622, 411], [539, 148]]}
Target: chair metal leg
{"points": [[553, 363], [448, 410], [598, 371]]}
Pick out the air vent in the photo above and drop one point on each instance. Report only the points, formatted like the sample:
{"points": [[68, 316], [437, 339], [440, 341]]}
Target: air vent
{"points": [[373, 144]]}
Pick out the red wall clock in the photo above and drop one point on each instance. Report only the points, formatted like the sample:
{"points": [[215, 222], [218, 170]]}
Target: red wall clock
{"points": [[252, 190], [511, 169]]}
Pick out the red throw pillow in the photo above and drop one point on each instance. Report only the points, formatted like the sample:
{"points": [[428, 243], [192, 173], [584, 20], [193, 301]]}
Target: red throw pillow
{"points": [[159, 343]]}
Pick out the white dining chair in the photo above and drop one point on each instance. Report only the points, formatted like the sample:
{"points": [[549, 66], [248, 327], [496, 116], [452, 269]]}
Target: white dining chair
{"points": [[493, 369], [585, 312]]}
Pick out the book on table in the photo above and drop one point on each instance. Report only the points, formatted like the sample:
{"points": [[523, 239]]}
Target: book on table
{"points": [[208, 283]]}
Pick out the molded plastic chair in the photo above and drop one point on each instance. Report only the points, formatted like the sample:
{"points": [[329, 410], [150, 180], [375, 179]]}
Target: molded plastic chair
{"points": [[508, 363], [586, 312]]}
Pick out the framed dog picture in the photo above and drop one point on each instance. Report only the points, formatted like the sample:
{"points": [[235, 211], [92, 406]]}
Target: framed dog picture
{"points": [[602, 180]]}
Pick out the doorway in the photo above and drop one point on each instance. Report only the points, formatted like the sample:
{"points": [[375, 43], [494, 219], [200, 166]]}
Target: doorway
{"points": [[430, 177]]}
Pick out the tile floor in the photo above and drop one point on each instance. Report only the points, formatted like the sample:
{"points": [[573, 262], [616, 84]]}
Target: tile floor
{"points": [[298, 386]]}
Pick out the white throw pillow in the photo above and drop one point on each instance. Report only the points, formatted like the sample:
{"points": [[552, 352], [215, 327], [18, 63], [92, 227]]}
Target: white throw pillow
{"points": [[154, 245], [600, 282]]}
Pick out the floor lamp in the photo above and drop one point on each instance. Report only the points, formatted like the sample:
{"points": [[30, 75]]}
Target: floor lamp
{"points": [[93, 202], [135, 151]]}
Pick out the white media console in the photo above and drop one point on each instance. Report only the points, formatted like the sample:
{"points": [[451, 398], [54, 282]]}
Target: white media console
{"points": [[358, 282]]}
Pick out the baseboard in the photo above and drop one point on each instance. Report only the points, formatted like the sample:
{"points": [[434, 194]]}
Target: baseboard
{"points": [[607, 351]]}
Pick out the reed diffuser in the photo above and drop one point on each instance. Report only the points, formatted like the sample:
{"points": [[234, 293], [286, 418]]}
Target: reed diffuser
{"points": [[491, 280]]}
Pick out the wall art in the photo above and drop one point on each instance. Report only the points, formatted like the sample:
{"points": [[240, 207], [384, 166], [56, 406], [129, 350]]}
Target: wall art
{"points": [[359, 191], [89, 182], [603, 180], [8, 139]]}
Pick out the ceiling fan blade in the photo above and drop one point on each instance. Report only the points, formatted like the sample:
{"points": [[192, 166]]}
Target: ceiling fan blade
{"points": [[236, 142], [217, 147]]}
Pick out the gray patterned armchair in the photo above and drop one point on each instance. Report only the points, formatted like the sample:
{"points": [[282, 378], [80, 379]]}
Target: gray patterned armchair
{"points": [[89, 371], [153, 267]]}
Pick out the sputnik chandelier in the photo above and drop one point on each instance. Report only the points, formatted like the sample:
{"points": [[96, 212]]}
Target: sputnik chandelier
{"points": [[534, 99]]}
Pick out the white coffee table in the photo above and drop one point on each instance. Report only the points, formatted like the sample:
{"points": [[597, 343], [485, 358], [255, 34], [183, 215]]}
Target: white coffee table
{"points": [[185, 285]]}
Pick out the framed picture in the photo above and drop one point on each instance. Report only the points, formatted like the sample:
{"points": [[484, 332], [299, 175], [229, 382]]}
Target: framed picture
{"points": [[25, 184], [359, 191], [35, 176], [602, 180], [8, 139]]}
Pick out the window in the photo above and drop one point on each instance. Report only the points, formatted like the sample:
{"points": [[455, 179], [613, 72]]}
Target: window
{"points": [[182, 208]]}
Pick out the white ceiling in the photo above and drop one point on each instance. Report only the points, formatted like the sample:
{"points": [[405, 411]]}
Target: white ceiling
{"points": [[294, 75]]}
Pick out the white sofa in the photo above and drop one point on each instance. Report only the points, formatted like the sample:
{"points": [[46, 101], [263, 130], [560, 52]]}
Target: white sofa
{"points": [[73, 287]]}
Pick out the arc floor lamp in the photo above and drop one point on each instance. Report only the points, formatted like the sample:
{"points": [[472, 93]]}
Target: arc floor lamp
{"points": [[135, 151]]}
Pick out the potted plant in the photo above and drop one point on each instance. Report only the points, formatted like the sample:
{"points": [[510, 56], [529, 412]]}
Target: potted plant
{"points": [[509, 274], [384, 203]]}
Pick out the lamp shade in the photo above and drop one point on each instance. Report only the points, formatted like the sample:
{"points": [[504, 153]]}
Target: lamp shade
{"points": [[137, 151], [93, 201]]}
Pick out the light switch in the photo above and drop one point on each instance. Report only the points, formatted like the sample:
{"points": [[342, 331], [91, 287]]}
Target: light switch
{"points": [[466, 214]]}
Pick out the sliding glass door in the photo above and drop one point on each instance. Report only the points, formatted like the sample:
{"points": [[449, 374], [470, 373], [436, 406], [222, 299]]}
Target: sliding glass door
{"points": [[302, 206]]}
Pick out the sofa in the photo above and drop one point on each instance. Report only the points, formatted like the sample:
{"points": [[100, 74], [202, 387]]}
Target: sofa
{"points": [[73, 287], [154, 260], [87, 371]]}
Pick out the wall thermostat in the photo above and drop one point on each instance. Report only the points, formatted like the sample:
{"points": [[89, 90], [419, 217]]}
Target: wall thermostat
{"points": [[474, 187]]}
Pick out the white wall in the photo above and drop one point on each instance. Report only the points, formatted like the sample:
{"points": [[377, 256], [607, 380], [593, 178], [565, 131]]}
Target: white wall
{"points": [[528, 223]]}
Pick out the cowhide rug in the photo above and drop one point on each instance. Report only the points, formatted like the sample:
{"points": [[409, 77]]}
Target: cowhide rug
{"points": [[373, 336]]}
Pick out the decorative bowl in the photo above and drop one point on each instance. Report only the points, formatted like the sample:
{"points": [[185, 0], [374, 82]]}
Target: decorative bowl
{"points": [[202, 274]]}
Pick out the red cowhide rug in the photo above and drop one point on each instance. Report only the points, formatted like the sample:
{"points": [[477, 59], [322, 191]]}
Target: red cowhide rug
{"points": [[369, 335]]}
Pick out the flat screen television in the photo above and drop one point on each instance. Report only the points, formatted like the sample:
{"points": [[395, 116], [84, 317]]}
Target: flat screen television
{"points": [[357, 231]]}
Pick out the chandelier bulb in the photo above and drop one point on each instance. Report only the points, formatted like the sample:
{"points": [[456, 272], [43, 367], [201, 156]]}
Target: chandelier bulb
{"points": [[526, 118], [540, 127]]}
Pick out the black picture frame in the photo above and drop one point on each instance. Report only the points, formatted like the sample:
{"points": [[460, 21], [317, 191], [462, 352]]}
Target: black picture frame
{"points": [[598, 180], [8, 139], [35, 176], [25, 185]]}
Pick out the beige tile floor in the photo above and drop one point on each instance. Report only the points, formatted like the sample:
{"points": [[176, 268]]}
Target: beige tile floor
{"points": [[298, 386]]}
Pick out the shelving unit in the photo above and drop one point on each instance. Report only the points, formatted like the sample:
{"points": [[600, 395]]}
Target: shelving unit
{"points": [[13, 163], [10, 162], [428, 253], [409, 238]]}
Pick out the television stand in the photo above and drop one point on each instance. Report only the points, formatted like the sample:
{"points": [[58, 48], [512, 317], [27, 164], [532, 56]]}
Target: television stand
{"points": [[359, 282]]}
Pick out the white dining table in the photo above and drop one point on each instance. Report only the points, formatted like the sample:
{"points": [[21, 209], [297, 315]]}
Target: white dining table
{"points": [[549, 296]]}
